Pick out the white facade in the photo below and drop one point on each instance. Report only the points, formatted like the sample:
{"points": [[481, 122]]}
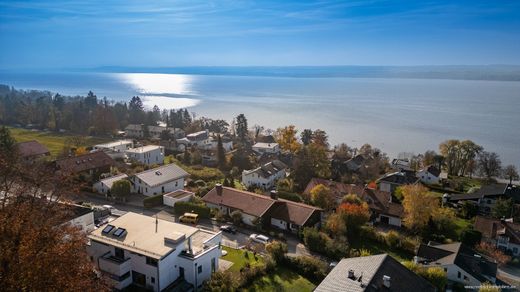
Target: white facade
{"points": [[150, 154], [178, 196], [193, 255], [395, 221], [257, 177], [426, 177], [503, 243], [279, 223], [85, 222], [246, 218], [117, 146], [266, 148], [140, 187], [456, 274], [103, 186]]}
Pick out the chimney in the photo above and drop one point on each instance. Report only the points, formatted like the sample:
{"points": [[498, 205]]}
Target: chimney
{"points": [[386, 281], [218, 187], [274, 195], [156, 223], [351, 274]]}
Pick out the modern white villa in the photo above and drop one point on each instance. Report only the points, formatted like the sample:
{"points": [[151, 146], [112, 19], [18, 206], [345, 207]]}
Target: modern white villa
{"points": [[159, 180], [154, 254], [262, 148], [149, 154]]}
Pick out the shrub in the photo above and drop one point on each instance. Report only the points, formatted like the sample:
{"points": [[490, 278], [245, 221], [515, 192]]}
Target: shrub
{"points": [[409, 244], [183, 207], [276, 250], [153, 201], [470, 237], [393, 239], [290, 196], [236, 217], [221, 282], [309, 267]]}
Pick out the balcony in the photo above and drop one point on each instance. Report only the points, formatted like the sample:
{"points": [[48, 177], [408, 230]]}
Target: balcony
{"points": [[113, 265]]}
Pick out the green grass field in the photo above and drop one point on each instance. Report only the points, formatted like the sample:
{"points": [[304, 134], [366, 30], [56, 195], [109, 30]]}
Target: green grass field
{"points": [[239, 260], [282, 279], [53, 141]]}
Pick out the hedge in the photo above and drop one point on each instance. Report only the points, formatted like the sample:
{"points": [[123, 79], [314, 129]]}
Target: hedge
{"points": [[188, 207], [153, 201], [290, 196]]}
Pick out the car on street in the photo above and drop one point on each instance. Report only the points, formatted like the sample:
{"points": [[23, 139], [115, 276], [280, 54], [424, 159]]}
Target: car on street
{"points": [[259, 238], [228, 228]]}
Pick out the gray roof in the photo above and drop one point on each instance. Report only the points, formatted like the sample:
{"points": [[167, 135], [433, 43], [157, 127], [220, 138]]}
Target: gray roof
{"points": [[161, 175], [269, 169], [371, 269], [109, 181]]}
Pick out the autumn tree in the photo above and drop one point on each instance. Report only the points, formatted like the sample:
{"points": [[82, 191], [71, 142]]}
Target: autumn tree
{"points": [[306, 136], [457, 154], [335, 224], [419, 206], [510, 173], [355, 215], [322, 197], [489, 164], [320, 138], [311, 161], [286, 138]]}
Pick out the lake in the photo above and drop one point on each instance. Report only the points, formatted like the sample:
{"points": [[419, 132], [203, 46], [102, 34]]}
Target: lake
{"points": [[396, 115]]}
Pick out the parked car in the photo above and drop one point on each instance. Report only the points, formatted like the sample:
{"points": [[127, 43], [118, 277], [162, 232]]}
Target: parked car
{"points": [[259, 238], [228, 228], [189, 218]]}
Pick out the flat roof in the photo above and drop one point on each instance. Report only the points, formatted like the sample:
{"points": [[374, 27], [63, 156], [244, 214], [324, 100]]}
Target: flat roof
{"points": [[265, 145], [114, 144], [178, 194], [141, 236], [144, 148]]}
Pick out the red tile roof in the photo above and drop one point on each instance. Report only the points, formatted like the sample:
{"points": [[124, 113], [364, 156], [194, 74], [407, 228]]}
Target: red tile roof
{"points": [[32, 148]]}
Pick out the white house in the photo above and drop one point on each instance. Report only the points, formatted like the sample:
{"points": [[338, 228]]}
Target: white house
{"points": [[170, 199], [265, 176], [103, 186], [199, 139], [81, 217], [153, 253], [429, 175], [149, 154], [154, 132], [116, 146], [458, 261], [159, 180], [262, 148]]}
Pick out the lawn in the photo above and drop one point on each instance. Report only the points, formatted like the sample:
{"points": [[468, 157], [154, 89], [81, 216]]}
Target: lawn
{"points": [[467, 183], [239, 259], [53, 141], [461, 224], [282, 279]]}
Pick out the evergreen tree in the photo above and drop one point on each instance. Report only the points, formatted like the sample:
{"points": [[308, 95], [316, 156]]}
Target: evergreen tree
{"points": [[241, 127], [221, 155]]}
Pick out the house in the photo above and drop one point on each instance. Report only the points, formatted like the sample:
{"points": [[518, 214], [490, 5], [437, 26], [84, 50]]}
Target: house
{"points": [[115, 149], [199, 139], [265, 176], [212, 143], [32, 150], [504, 234], [383, 209], [88, 164], [401, 164], [355, 163], [81, 217], [487, 196], [261, 148], [171, 198], [462, 264], [149, 154], [159, 180], [270, 210], [429, 175], [391, 181], [372, 273], [154, 254], [154, 132], [105, 185]]}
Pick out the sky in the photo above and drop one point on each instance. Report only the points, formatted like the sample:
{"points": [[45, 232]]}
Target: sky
{"points": [[87, 34]]}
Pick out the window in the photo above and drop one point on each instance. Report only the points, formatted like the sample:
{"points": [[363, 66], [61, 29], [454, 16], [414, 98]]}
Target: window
{"points": [[151, 261], [446, 270], [176, 183], [458, 274], [107, 229], [200, 269], [466, 278], [515, 250], [119, 253], [124, 276], [213, 265], [152, 280], [119, 232]]}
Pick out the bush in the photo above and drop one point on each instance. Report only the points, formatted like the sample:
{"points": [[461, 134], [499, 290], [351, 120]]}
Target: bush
{"points": [[321, 243], [393, 239], [470, 237], [153, 201], [188, 207], [236, 217], [221, 282], [309, 267], [276, 250], [290, 196]]}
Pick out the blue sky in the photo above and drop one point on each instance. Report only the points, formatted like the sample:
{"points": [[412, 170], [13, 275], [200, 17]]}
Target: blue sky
{"points": [[57, 34]]}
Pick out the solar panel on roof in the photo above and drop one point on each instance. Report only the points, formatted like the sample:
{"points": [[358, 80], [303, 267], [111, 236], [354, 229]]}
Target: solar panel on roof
{"points": [[107, 229], [119, 232]]}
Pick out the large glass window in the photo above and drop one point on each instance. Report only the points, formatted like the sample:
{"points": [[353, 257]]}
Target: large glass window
{"points": [[151, 261]]}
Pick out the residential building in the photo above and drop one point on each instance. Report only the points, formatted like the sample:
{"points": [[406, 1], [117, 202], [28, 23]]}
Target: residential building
{"points": [[80, 216], [401, 164], [270, 210], [461, 263], [199, 139], [262, 148], [153, 132], [504, 234], [154, 254], [32, 150], [265, 176], [391, 181], [115, 146], [149, 154], [171, 198], [372, 273], [105, 185], [159, 180], [89, 164], [355, 163], [212, 143], [487, 196], [429, 175], [383, 209]]}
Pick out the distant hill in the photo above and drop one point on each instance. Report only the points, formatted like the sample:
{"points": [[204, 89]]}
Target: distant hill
{"points": [[464, 72]]}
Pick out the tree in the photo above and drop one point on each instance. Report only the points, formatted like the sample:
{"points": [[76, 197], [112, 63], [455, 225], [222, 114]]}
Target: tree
{"points": [[306, 136], [221, 282], [236, 216], [503, 208], [419, 206], [121, 189], [335, 224], [276, 250], [468, 209], [511, 173], [136, 111], [320, 138], [489, 164], [241, 127], [286, 138], [429, 158], [221, 154], [435, 275], [7, 142], [470, 237], [491, 251], [322, 197], [355, 215], [457, 154]]}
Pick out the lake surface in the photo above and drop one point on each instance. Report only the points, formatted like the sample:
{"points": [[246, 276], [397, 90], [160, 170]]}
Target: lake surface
{"points": [[396, 115]]}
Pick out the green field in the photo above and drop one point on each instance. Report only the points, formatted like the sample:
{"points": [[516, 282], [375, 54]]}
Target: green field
{"points": [[282, 279], [237, 256], [53, 141]]}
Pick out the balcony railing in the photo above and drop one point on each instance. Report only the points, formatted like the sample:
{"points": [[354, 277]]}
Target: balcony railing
{"points": [[114, 265]]}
